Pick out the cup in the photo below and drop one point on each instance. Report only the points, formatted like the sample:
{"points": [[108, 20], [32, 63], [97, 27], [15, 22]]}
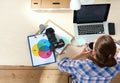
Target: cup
{"points": [[90, 46]]}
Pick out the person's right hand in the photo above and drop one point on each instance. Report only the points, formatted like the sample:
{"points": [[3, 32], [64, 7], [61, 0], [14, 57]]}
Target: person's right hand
{"points": [[85, 51], [82, 53]]}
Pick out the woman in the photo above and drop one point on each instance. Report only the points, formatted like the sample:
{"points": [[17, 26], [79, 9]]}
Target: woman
{"points": [[100, 66]]}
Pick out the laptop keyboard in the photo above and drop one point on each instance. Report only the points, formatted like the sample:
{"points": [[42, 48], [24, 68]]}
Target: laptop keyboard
{"points": [[90, 29]]}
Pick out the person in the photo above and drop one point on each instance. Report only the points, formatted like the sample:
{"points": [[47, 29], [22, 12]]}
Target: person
{"points": [[100, 66]]}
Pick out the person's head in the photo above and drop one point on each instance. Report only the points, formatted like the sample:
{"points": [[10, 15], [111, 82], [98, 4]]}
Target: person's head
{"points": [[104, 50]]}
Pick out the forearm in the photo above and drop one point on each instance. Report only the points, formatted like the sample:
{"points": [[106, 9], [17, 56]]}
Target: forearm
{"points": [[67, 65], [83, 53], [77, 56]]}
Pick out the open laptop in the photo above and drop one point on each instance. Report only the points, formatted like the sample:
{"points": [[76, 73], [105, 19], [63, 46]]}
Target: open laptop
{"points": [[93, 17]]}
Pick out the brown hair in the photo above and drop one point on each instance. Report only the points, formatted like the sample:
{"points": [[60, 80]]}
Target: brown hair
{"points": [[105, 49]]}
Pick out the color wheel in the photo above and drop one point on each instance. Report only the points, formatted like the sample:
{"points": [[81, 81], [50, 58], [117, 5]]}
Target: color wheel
{"points": [[41, 49]]}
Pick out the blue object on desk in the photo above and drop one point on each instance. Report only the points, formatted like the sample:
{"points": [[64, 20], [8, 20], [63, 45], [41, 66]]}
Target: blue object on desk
{"points": [[80, 41]]}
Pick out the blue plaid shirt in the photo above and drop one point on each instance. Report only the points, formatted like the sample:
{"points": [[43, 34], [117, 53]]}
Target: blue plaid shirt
{"points": [[85, 71]]}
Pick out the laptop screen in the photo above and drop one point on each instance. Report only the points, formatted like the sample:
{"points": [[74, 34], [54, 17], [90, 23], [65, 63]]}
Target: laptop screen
{"points": [[91, 13]]}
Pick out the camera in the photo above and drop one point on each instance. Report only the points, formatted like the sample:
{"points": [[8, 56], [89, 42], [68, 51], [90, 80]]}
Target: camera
{"points": [[53, 40]]}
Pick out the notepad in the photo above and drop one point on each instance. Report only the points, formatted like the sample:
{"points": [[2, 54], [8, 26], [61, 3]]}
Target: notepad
{"points": [[39, 50], [80, 41]]}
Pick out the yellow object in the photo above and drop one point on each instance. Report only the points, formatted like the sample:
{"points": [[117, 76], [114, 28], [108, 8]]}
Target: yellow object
{"points": [[35, 50]]}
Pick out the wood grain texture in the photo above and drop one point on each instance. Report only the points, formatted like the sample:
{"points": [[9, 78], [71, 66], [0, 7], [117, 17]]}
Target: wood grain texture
{"points": [[44, 74], [27, 74]]}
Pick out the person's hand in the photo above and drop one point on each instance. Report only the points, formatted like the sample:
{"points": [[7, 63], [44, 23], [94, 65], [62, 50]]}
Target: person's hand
{"points": [[83, 52]]}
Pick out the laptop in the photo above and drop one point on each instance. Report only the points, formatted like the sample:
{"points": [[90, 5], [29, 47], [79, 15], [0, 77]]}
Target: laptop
{"points": [[90, 22]]}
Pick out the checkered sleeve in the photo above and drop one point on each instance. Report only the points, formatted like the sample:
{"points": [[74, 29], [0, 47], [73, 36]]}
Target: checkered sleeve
{"points": [[67, 65], [118, 62]]}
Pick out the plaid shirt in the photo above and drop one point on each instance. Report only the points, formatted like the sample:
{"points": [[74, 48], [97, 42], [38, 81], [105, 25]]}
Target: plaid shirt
{"points": [[85, 71]]}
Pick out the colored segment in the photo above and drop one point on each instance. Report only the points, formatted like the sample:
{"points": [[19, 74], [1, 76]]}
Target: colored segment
{"points": [[45, 54], [43, 42], [35, 50], [44, 48]]}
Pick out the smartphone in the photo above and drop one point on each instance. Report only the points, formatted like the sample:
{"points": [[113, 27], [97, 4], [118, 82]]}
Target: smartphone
{"points": [[111, 28]]}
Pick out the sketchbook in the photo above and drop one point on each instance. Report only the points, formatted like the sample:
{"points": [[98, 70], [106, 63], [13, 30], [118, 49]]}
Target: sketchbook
{"points": [[60, 33], [39, 50]]}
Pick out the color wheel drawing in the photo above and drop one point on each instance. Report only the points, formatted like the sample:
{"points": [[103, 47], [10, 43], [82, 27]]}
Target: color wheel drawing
{"points": [[41, 49]]}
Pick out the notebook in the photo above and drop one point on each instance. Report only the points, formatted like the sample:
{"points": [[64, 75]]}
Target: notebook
{"points": [[90, 22]]}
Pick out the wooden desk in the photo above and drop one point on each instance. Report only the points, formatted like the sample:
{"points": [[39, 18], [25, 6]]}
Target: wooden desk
{"points": [[27, 74]]}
